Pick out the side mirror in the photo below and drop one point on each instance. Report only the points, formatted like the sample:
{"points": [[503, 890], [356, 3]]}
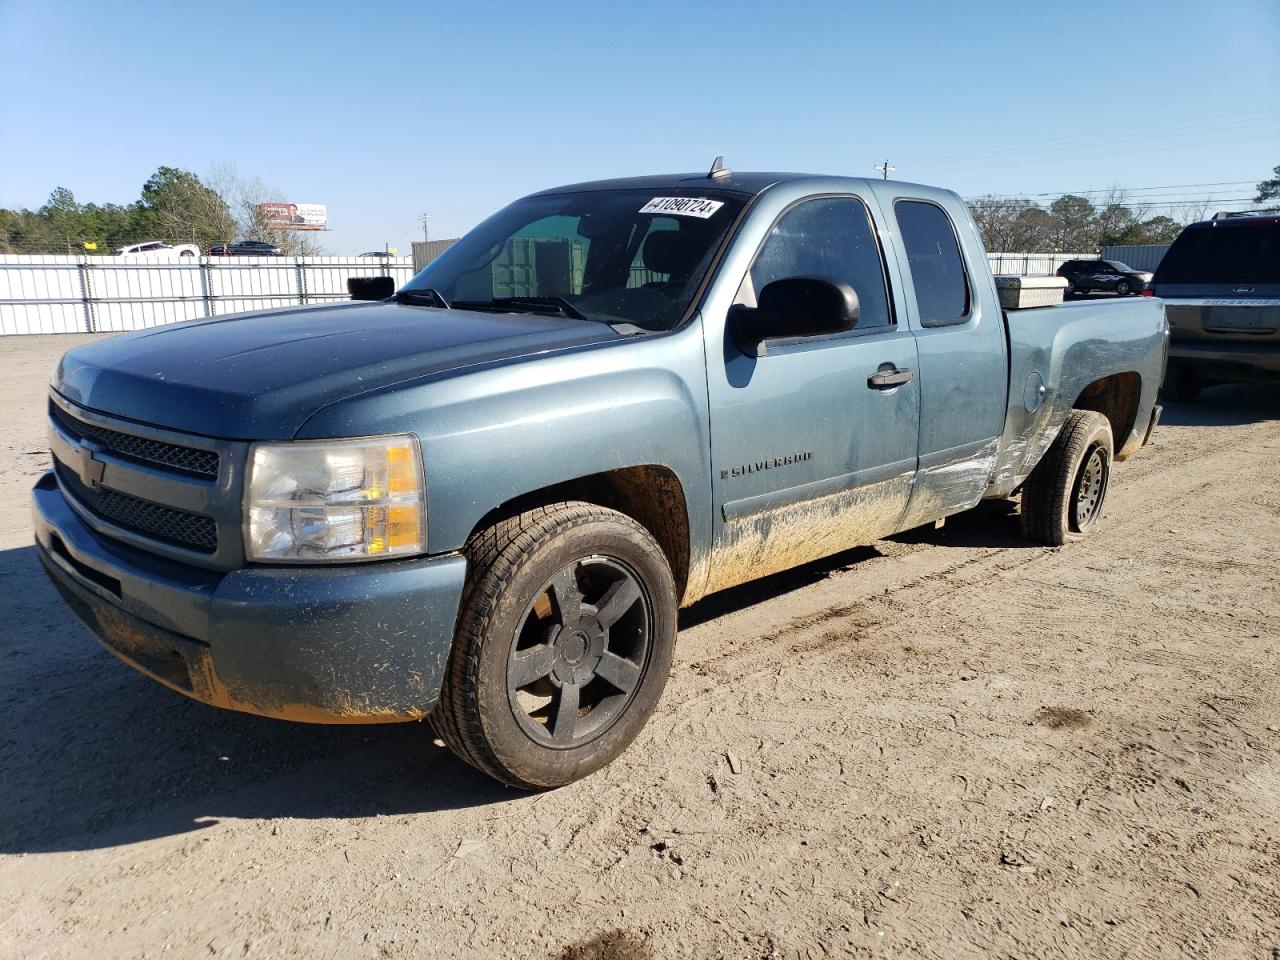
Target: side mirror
{"points": [[370, 288], [795, 307]]}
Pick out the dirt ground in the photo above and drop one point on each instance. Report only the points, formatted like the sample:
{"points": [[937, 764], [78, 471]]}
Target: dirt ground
{"points": [[950, 744]]}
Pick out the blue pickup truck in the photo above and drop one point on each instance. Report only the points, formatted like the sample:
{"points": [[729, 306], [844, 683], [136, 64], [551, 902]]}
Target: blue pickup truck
{"points": [[483, 498]]}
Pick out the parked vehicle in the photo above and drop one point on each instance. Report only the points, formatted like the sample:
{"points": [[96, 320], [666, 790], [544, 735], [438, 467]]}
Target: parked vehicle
{"points": [[246, 248], [1220, 282], [1112, 276], [158, 250], [483, 499]]}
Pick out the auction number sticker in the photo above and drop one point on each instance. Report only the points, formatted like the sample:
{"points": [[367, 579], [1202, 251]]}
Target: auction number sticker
{"points": [[683, 206]]}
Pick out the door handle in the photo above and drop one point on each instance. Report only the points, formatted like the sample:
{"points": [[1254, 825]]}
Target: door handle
{"points": [[889, 378]]}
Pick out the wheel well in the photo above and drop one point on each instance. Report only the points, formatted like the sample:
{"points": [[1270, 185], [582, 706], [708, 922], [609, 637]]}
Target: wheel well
{"points": [[1115, 397], [650, 494]]}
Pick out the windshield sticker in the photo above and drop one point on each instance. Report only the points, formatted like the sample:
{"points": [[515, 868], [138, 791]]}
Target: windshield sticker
{"points": [[683, 206]]}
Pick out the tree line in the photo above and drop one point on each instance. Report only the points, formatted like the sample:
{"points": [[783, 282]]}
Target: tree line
{"points": [[174, 205], [1076, 224], [178, 206], [1071, 224]]}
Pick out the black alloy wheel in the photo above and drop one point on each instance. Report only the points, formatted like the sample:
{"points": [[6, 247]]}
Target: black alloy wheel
{"points": [[563, 644], [581, 652]]}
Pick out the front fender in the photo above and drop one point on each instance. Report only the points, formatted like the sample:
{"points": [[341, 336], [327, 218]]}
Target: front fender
{"points": [[492, 435]]}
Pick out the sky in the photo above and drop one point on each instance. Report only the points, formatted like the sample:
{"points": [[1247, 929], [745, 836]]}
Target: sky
{"points": [[386, 111]]}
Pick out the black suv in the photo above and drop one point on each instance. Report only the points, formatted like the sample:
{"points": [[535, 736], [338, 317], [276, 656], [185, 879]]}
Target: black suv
{"points": [[1220, 282], [1085, 276], [246, 248]]}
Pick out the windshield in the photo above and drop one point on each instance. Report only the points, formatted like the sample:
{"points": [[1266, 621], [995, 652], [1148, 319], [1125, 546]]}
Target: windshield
{"points": [[1240, 253], [614, 256]]}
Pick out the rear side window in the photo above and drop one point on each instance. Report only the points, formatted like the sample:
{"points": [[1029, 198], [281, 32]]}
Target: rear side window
{"points": [[828, 237], [937, 270], [1240, 253]]}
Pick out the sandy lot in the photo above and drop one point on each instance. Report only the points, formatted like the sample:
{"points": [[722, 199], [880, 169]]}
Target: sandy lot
{"points": [[951, 744]]}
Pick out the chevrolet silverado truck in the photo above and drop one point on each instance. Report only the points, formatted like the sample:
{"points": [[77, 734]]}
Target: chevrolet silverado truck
{"points": [[482, 498]]}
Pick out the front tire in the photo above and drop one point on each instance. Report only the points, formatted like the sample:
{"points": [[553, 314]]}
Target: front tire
{"points": [[563, 645], [1124, 288], [1062, 499]]}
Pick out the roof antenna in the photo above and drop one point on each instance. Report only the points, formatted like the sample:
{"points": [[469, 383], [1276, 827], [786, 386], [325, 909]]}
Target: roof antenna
{"points": [[718, 171]]}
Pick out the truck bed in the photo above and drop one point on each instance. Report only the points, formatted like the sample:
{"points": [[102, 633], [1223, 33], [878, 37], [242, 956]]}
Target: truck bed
{"points": [[1063, 353]]}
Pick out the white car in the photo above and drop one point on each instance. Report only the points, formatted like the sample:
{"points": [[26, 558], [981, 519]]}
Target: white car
{"points": [[158, 250]]}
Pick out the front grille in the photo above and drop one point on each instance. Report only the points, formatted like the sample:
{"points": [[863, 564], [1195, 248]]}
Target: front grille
{"points": [[168, 524], [199, 463]]}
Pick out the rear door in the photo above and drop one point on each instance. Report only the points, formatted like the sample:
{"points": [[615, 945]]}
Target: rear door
{"points": [[962, 348], [811, 453]]}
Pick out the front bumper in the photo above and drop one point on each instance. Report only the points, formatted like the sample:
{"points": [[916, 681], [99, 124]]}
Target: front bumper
{"points": [[361, 643]]}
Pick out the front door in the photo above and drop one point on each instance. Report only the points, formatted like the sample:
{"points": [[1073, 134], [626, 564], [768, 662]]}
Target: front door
{"points": [[812, 452]]}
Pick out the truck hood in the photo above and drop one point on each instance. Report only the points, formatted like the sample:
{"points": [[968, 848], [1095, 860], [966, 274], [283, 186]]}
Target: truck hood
{"points": [[260, 376]]}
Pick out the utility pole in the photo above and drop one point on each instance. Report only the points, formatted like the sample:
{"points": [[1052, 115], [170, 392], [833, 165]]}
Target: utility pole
{"points": [[885, 168], [425, 219]]}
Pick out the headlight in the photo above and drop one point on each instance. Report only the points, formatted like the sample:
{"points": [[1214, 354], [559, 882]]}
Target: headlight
{"points": [[333, 500]]}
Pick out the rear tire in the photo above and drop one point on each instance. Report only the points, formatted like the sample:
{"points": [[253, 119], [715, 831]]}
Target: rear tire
{"points": [[563, 645], [1062, 499], [1181, 384]]}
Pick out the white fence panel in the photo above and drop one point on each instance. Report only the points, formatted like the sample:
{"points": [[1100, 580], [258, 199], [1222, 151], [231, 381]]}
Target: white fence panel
{"points": [[1032, 264], [326, 277], [43, 294], [51, 317], [65, 294], [119, 316], [68, 294]]}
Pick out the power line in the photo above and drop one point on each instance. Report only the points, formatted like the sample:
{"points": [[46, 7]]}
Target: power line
{"points": [[1129, 130], [1144, 132], [1101, 156], [1107, 190], [1120, 197]]}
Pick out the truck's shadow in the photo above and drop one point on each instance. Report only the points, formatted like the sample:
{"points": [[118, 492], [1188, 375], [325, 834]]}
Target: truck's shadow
{"points": [[771, 587], [93, 754], [992, 523], [1231, 404]]}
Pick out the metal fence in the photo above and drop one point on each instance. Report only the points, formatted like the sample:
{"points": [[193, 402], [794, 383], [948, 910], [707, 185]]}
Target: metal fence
{"points": [[1146, 257], [68, 294], [1032, 264], [425, 251]]}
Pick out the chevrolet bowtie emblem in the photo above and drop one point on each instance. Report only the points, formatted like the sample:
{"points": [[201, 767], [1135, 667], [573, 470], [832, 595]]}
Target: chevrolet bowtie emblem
{"points": [[91, 468]]}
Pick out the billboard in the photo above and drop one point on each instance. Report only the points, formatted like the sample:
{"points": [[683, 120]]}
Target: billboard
{"points": [[294, 216]]}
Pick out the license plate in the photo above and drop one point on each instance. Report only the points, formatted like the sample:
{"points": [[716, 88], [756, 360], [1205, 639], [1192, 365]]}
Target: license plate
{"points": [[1241, 319]]}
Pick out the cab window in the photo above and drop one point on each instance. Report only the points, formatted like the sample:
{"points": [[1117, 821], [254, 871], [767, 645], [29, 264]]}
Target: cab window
{"points": [[937, 269], [827, 237]]}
